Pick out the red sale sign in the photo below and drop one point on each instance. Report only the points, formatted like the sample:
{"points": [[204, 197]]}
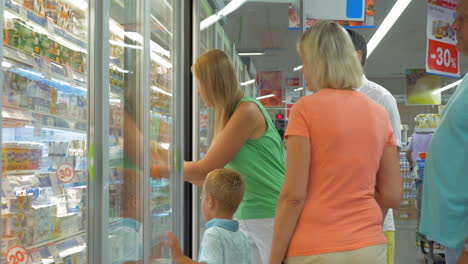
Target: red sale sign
{"points": [[65, 173], [17, 255], [442, 58], [442, 54]]}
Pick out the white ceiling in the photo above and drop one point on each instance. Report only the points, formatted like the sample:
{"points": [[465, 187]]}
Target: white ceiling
{"points": [[260, 25]]}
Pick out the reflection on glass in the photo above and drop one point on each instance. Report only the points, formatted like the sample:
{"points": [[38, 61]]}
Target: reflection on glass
{"points": [[125, 137], [162, 96], [44, 129]]}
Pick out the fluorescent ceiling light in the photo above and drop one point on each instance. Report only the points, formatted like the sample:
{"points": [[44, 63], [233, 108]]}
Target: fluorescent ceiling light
{"points": [[387, 24], [116, 28], [248, 82], [445, 88], [228, 9], [265, 96], [164, 145], [299, 89], [125, 45], [160, 90], [117, 68], [251, 53], [158, 59], [80, 4], [6, 64], [153, 45], [298, 68]]}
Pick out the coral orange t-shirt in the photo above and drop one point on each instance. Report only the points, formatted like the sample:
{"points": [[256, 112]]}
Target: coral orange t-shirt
{"points": [[348, 133]]}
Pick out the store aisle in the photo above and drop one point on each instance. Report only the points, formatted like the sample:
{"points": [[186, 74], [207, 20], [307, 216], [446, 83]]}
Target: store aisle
{"points": [[406, 251]]}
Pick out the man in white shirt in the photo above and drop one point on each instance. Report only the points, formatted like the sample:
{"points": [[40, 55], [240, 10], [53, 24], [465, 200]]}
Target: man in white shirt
{"points": [[383, 97]]}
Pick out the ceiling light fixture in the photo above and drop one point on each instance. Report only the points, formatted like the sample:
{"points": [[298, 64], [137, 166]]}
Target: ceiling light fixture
{"points": [[265, 96], [387, 24], [247, 82], [298, 68], [228, 9], [299, 89], [445, 88], [243, 54], [160, 90]]}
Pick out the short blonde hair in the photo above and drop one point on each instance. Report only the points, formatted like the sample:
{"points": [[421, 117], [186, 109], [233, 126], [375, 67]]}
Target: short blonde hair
{"points": [[330, 58], [227, 187], [219, 85]]}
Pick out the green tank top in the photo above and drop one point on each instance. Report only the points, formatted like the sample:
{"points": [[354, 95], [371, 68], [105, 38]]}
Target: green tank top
{"points": [[261, 164]]}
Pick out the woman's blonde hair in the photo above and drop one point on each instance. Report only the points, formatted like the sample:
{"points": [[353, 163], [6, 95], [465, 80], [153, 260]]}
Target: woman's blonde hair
{"points": [[328, 53], [219, 86]]}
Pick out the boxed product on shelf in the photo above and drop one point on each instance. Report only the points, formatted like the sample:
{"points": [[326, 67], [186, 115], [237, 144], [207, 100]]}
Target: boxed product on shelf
{"points": [[51, 10], [21, 156], [53, 52], [67, 225], [424, 121], [406, 214]]}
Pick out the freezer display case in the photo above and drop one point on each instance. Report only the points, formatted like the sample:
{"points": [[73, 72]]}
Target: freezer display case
{"points": [[44, 131], [48, 130]]}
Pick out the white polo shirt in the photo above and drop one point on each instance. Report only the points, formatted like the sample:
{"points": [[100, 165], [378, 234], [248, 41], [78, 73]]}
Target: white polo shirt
{"points": [[383, 97]]}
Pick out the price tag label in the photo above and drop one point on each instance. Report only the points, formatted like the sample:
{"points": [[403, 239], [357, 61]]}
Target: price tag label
{"points": [[65, 173], [38, 126], [442, 58], [17, 255], [23, 12], [36, 256]]}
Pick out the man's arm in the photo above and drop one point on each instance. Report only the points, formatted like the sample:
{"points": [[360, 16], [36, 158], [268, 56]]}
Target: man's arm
{"points": [[409, 157], [464, 256]]}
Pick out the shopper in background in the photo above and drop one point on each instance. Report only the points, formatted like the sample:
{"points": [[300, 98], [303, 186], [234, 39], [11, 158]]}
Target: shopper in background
{"points": [[444, 214], [383, 97], [418, 144], [222, 242], [245, 141], [342, 165]]}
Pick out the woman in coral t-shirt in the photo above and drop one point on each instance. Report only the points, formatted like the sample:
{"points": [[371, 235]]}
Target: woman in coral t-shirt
{"points": [[343, 164]]}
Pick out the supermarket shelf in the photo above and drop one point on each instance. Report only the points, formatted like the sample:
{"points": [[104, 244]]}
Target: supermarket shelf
{"points": [[46, 70], [160, 24], [65, 129], [425, 130], [21, 172], [58, 240], [48, 27], [31, 119], [45, 114]]}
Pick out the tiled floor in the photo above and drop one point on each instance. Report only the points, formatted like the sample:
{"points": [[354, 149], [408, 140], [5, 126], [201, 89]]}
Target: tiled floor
{"points": [[406, 251]]}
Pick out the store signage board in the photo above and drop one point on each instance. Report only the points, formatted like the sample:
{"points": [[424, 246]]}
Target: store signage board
{"points": [[442, 56], [348, 13], [351, 10]]}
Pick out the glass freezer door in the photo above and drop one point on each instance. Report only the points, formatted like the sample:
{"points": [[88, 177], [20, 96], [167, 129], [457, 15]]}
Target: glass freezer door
{"points": [[44, 131]]}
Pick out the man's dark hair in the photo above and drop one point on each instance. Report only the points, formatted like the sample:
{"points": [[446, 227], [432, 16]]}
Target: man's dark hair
{"points": [[359, 44]]}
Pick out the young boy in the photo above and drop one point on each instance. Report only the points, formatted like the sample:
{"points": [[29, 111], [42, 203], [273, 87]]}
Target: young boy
{"points": [[222, 242]]}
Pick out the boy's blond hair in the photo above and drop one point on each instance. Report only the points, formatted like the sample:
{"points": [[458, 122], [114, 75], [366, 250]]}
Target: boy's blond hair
{"points": [[227, 187]]}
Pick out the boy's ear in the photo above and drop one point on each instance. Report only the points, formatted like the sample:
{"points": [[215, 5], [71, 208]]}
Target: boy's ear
{"points": [[211, 201]]}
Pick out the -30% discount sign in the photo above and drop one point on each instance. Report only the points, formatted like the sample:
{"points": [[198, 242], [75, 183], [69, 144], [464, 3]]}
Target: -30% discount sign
{"points": [[442, 58], [65, 173], [17, 255]]}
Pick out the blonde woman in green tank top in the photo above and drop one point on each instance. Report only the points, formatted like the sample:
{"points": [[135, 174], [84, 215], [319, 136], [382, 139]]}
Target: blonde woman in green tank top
{"points": [[245, 141]]}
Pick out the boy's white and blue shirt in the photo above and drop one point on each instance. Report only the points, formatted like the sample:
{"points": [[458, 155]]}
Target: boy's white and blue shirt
{"points": [[223, 243]]}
